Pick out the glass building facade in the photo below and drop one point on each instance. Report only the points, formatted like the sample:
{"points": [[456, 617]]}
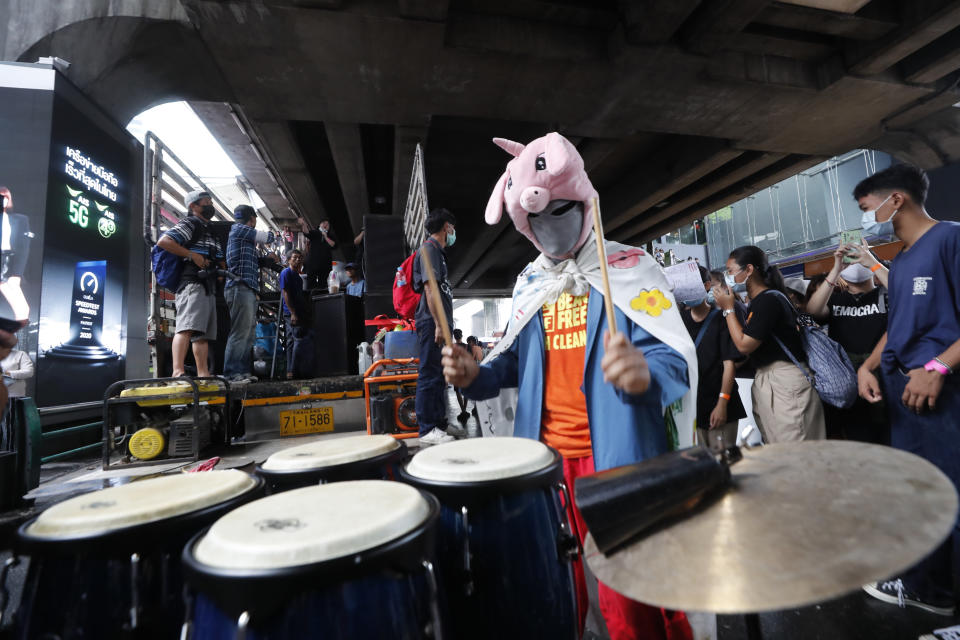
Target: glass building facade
{"points": [[802, 214]]}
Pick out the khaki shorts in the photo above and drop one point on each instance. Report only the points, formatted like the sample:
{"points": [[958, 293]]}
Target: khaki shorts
{"points": [[197, 312]]}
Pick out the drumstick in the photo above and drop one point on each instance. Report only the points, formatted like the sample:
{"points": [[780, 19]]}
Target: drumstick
{"points": [[602, 255], [437, 301]]}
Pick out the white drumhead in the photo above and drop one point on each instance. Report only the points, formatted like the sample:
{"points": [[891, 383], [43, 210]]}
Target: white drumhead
{"points": [[312, 524], [330, 452], [477, 459], [139, 503]]}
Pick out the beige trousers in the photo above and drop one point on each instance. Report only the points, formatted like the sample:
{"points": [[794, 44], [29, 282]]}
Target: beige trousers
{"points": [[722, 437], [786, 406]]}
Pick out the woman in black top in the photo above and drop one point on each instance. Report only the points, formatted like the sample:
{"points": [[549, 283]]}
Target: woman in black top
{"points": [[719, 407], [785, 405]]}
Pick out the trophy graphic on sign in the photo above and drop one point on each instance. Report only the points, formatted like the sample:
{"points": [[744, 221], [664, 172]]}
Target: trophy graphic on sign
{"points": [[86, 315]]}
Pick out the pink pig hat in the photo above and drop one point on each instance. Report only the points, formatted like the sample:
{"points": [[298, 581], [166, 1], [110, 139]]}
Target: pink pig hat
{"points": [[546, 169]]}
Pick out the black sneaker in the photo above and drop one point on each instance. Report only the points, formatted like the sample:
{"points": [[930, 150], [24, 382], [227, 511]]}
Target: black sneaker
{"points": [[949, 633], [894, 592]]}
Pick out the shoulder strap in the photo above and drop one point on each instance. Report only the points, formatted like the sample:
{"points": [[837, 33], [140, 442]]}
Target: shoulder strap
{"points": [[703, 328]]}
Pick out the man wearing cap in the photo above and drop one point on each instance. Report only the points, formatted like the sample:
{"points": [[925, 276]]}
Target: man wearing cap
{"points": [[241, 294], [858, 319], [357, 285], [192, 240]]}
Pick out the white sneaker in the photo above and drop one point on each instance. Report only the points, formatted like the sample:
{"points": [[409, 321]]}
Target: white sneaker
{"points": [[436, 436]]}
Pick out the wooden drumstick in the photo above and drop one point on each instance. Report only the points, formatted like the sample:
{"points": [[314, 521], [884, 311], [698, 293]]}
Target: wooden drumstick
{"points": [[602, 255], [437, 300]]}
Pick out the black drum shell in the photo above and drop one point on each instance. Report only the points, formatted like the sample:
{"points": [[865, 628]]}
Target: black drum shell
{"points": [[261, 592], [366, 469]]}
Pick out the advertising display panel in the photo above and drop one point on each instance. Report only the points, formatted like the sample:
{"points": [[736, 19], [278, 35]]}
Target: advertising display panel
{"points": [[26, 105], [82, 338]]}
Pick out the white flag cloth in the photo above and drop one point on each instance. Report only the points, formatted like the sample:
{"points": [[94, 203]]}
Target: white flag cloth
{"points": [[639, 289]]}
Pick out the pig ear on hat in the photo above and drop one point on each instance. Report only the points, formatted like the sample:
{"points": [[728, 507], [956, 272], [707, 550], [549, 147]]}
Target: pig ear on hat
{"points": [[558, 153], [511, 147], [495, 203]]}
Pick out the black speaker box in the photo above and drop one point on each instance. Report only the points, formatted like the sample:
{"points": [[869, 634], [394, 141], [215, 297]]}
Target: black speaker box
{"points": [[383, 251], [338, 329]]}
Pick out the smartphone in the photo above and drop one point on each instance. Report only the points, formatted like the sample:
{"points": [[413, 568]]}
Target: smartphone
{"points": [[11, 326], [854, 237]]}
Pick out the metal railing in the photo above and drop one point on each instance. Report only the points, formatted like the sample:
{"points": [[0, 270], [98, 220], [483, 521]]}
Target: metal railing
{"points": [[415, 214]]}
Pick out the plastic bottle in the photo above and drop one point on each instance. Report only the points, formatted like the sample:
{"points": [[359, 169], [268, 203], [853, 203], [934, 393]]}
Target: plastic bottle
{"points": [[333, 281]]}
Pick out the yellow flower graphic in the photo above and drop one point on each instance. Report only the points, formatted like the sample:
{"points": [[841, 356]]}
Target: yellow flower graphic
{"points": [[652, 302]]}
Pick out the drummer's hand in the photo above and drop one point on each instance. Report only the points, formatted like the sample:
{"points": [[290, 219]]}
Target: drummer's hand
{"points": [[459, 367], [922, 390], [623, 364], [868, 385]]}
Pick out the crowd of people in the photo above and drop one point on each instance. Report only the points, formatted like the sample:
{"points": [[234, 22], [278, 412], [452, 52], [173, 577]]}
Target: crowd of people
{"points": [[205, 261]]}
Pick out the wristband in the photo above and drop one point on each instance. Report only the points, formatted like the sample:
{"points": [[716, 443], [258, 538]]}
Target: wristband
{"points": [[876, 267], [832, 284], [725, 396], [939, 367]]}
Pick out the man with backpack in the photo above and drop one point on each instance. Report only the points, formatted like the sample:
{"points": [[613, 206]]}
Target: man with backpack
{"points": [[917, 358], [431, 401], [199, 249]]}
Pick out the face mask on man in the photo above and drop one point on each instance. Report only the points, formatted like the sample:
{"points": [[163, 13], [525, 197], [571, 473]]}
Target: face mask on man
{"points": [[207, 211], [870, 225], [451, 238]]}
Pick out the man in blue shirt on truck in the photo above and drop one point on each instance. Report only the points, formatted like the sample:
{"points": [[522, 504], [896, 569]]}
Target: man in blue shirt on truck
{"points": [[917, 358]]}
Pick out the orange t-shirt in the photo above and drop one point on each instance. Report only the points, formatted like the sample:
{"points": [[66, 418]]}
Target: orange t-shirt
{"points": [[564, 425]]}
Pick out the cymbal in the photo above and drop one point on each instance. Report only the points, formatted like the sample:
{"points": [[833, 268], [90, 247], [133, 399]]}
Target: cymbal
{"points": [[802, 523]]}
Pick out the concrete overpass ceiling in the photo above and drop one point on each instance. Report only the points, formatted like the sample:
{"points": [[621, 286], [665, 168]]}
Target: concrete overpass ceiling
{"points": [[678, 107]]}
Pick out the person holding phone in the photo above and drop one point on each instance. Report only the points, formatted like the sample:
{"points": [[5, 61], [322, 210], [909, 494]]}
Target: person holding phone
{"points": [[785, 405], [14, 251], [857, 315]]}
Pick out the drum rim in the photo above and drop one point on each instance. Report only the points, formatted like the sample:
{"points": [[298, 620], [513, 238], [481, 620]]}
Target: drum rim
{"points": [[549, 474], [136, 536], [333, 469], [328, 571]]}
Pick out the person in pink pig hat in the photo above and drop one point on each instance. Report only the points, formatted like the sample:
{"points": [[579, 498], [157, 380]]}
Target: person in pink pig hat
{"points": [[601, 401]]}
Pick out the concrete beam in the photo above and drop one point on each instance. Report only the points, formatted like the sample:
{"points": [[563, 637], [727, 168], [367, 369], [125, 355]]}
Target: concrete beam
{"points": [[910, 37], [405, 140], [347, 153], [701, 192], [654, 21], [678, 166], [716, 23], [481, 256], [433, 10], [935, 60], [828, 23], [276, 140]]}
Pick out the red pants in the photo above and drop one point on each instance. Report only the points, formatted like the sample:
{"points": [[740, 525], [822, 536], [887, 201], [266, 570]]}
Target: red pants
{"points": [[626, 619]]}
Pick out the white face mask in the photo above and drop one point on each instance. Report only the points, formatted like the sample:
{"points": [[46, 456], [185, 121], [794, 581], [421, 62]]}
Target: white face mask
{"points": [[736, 287], [870, 225]]}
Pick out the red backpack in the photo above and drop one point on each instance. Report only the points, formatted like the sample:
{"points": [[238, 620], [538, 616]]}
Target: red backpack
{"points": [[405, 299]]}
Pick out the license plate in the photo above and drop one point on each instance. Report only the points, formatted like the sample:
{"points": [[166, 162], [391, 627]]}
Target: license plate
{"points": [[300, 421]]}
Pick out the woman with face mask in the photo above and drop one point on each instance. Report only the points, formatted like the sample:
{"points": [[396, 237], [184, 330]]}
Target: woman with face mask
{"points": [[857, 317], [785, 405]]}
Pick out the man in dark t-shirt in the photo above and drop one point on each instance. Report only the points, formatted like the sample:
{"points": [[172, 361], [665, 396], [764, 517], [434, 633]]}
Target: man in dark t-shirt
{"points": [[294, 310], [719, 407], [918, 357], [431, 401], [320, 254], [858, 319]]}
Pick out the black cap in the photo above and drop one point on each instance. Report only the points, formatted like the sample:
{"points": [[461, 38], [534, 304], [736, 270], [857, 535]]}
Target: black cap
{"points": [[244, 212]]}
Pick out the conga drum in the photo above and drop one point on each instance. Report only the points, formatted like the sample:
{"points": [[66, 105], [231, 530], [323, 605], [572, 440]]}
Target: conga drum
{"points": [[107, 564], [339, 561], [504, 545], [361, 457]]}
